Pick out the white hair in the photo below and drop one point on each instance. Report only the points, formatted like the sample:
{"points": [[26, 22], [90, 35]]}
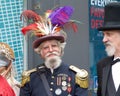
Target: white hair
{"points": [[62, 46]]}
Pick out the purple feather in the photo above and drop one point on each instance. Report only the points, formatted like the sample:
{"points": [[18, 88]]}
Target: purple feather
{"points": [[61, 15]]}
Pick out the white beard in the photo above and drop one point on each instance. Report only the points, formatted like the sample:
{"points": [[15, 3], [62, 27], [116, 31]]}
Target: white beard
{"points": [[53, 62], [110, 49]]}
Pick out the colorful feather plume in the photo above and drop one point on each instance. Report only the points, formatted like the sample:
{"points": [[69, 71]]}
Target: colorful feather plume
{"points": [[53, 21], [30, 15], [72, 24], [29, 27], [61, 15]]}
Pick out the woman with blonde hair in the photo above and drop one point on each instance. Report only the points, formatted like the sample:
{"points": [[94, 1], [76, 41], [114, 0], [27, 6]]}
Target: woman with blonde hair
{"points": [[9, 86]]}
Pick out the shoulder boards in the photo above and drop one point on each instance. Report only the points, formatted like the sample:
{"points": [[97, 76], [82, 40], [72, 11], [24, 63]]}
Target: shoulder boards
{"points": [[26, 76], [74, 68], [81, 77]]}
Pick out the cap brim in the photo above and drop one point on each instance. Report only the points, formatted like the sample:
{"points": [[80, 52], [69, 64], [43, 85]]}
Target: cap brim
{"points": [[109, 28], [38, 41]]}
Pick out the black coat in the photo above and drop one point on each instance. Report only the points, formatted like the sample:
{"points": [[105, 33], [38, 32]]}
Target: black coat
{"points": [[61, 82], [103, 69]]}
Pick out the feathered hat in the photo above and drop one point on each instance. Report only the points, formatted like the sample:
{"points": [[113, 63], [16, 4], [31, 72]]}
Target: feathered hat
{"points": [[50, 26]]}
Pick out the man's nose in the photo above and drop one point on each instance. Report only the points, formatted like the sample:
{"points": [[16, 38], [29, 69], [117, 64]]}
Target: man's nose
{"points": [[50, 48], [104, 38]]}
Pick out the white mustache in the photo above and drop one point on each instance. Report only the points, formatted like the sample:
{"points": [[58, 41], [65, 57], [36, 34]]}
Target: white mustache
{"points": [[52, 53], [107, 44]]}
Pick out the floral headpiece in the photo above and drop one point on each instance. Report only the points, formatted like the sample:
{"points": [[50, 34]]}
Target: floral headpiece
{"points": [[6, 51], [50, 26]]}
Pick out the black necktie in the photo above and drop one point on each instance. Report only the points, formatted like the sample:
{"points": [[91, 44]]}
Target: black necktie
{"points": [[115, 61]]}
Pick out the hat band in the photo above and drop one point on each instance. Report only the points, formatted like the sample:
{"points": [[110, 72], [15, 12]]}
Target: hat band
{"points": [[112, 24]]}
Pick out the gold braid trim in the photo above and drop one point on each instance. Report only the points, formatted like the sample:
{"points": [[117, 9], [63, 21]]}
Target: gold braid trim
{"points": [[81, 77], [26, 76], [82, 82]]}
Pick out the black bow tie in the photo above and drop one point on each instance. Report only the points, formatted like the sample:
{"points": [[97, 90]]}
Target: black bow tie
{"points": [[115, 61]]}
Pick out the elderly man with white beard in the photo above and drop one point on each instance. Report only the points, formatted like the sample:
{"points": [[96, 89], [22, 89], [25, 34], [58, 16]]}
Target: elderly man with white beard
{"points": [[108, 69], [53, 77]]}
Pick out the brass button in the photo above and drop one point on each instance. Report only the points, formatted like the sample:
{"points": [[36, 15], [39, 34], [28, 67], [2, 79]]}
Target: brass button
{"points": [[51, 83], [53, 77], [51, 89]]}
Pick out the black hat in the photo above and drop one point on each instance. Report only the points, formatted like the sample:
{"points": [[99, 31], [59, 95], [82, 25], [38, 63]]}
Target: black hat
{"points": [[111, 17]]}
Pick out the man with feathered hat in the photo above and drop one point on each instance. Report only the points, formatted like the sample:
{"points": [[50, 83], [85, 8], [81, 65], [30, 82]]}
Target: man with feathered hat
{"points": [[53, 77], [8, 85]]}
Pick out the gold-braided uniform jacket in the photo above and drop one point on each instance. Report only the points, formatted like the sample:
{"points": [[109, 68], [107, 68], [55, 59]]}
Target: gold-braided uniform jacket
{"points": [[81, 77]]}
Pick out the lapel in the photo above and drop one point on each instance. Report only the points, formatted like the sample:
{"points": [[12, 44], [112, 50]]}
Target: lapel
{"points": [[106, 70], [118, 92]]}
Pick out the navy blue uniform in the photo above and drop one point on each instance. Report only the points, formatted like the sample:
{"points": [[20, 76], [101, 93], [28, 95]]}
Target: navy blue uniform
{"points": [[61, 82]]}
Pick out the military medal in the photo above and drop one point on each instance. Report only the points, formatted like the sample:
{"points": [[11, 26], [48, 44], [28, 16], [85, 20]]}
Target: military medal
{"points": [[64, 78], [68, 84], [69, 79], [64, 88], [69, 89], [64, 83], [58, 80], [58, 91]]}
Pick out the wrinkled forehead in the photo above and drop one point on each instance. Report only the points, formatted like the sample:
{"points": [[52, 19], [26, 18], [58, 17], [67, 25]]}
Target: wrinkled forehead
{"points": [[46, 43], [111, 32]]}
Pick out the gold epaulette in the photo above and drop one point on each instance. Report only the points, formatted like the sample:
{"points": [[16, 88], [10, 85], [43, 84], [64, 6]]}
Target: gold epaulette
{"points": [[26, 76], [81, 77]]}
